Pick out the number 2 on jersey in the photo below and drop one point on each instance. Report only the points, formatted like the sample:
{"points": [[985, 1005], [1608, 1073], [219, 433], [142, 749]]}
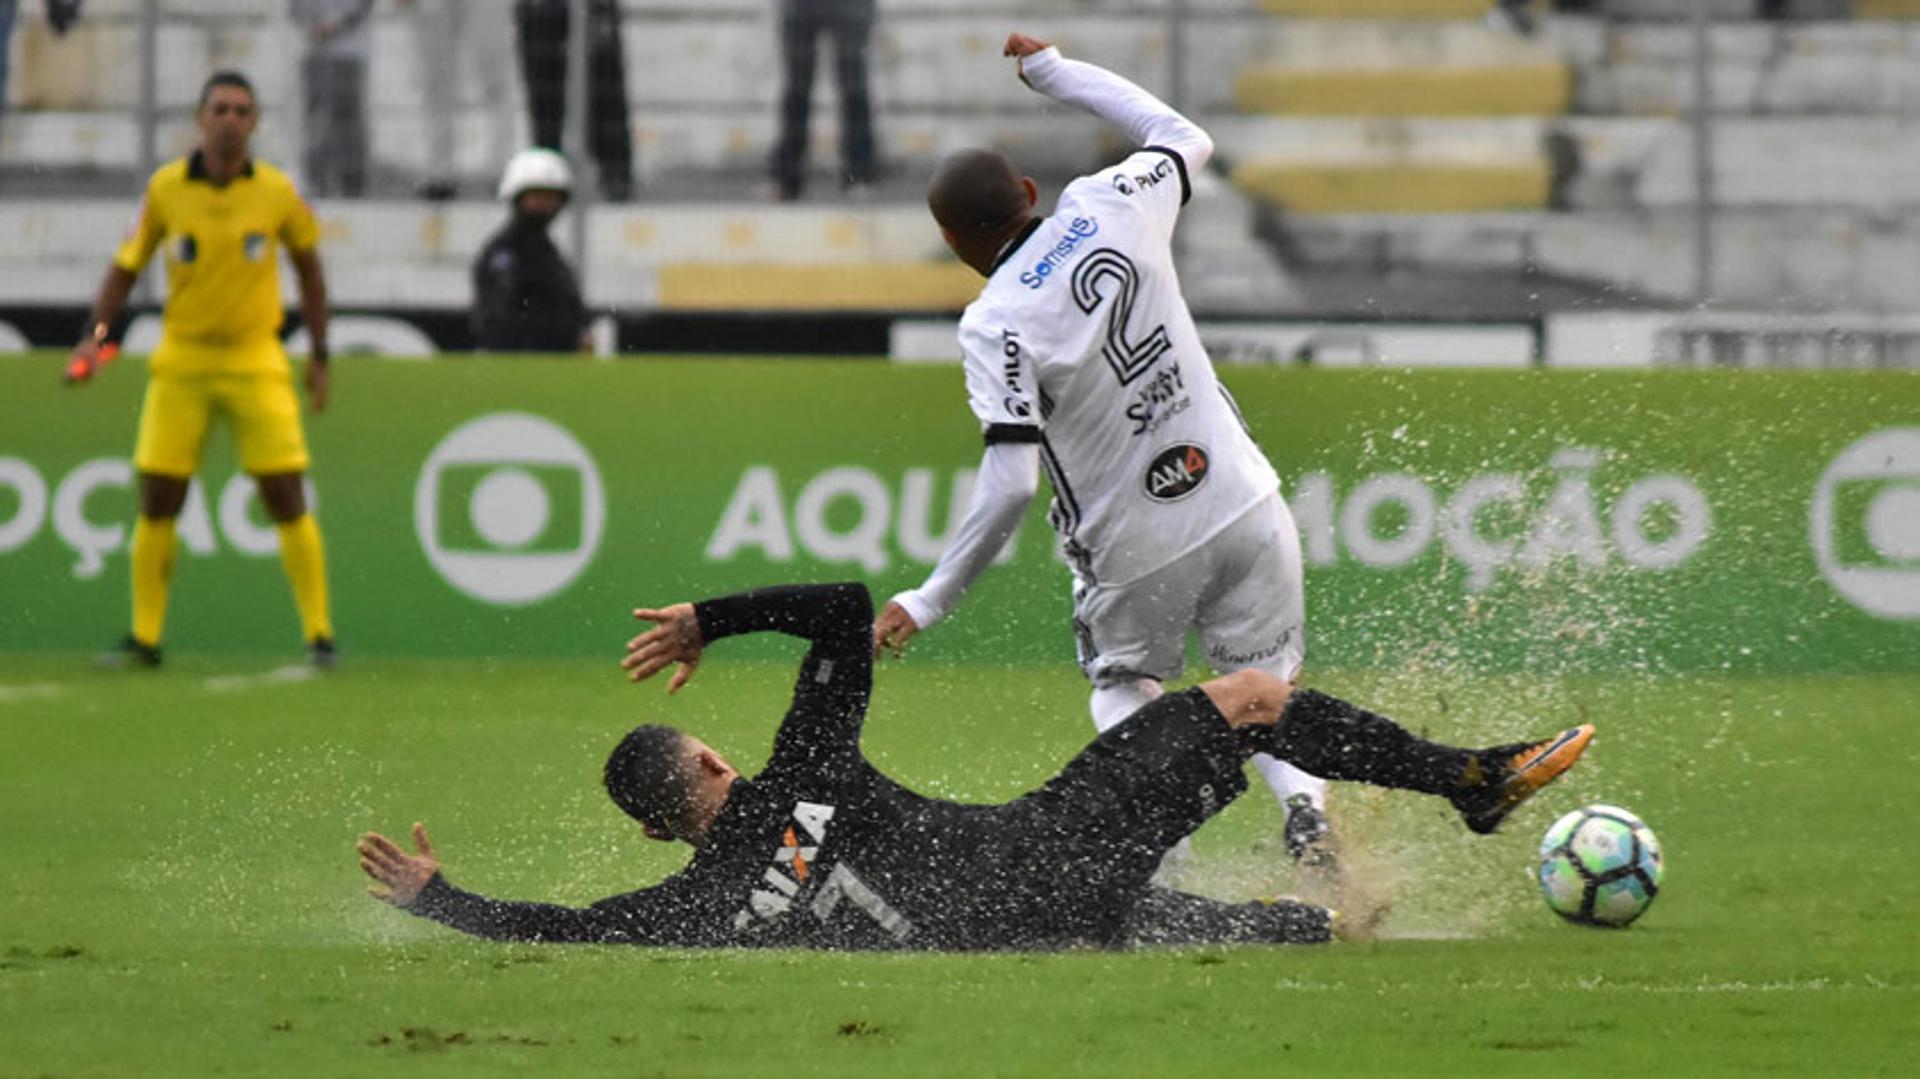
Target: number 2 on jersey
{"points": [[1129, 359]]}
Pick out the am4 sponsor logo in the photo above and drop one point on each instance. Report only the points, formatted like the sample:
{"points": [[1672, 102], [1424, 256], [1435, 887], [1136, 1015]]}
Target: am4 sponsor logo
{"points": [[1177, 472]]}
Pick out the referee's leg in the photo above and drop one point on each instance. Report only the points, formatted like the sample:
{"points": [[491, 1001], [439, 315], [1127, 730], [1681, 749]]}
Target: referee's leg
{"points": [[173, 428], [273, 449]]}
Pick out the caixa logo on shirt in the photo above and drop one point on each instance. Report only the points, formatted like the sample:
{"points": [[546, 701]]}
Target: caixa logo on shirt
{"points": [[1177, 472]]}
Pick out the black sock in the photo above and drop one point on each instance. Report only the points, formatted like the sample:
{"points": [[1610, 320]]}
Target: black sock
{"points": [[1332, 739]]}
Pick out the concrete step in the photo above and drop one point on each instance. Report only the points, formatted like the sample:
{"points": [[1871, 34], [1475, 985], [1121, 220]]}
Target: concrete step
{"points": [[1757, 162], [1814, 68], [1886, 9]]}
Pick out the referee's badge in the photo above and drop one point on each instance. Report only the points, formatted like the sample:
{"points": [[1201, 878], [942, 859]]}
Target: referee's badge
{"points": [[254, 245]]}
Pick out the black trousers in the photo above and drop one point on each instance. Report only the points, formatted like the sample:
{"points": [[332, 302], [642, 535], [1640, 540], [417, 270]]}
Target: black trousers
{"points": [[849, 26], [1080, 850], [543, 26], [333, 92]]}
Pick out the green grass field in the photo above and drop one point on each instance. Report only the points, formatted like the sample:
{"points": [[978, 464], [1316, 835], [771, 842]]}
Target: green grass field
{"points": [[179, 896]]}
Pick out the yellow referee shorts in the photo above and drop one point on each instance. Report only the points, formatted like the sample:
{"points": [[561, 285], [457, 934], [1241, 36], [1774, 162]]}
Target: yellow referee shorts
{"points": [[180, 407]]}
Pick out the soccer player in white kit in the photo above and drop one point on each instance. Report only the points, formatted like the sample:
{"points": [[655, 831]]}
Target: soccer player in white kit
{"points": [[1082, 359]]}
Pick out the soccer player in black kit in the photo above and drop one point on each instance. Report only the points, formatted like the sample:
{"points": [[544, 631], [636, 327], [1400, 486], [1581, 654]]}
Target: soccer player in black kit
{"points": [[820, 850]]}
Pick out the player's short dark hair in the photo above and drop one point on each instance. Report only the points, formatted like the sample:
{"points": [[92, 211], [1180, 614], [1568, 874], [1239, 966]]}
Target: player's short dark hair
{"points": [[976, 192], [225, 77], [647, 777]]}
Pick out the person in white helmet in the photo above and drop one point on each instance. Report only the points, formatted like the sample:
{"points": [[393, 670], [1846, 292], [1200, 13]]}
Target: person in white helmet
{"points": [[525, 297]]}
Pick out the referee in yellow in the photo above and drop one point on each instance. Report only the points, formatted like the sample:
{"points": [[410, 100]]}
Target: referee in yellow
{"points": [[221, 218]]}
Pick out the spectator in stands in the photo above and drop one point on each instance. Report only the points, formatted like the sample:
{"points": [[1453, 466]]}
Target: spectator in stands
{"points": [[338, 36], [849, 23], [543, 26], [525, 298], [60, 16], [7, 9], [444, 30]]}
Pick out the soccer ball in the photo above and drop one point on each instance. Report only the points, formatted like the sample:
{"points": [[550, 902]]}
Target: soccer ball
{"points": [[1600, 865]]}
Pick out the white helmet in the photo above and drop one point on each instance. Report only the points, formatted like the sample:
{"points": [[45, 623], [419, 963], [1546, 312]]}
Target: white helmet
{"points": [[533, 169]]}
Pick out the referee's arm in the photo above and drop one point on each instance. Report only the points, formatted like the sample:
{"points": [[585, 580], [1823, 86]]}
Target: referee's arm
{"points": [[313, 314]]}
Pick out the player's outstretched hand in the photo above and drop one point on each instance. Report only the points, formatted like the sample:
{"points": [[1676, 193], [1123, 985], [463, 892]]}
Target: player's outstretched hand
{"points": [[674, 639], [1020, 46], [892, 630], [398, 876]]}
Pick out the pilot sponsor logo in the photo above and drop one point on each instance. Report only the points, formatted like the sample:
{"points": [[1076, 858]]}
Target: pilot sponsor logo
{"points": [[1015, 402], [1145, 180], [1177, 472], [1079, 231]]}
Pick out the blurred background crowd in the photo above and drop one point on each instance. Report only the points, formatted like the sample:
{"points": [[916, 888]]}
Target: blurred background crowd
{"points": [[1714, 181]]}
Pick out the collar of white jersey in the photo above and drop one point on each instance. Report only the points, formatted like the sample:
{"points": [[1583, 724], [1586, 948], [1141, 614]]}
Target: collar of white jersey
{"points": [[1007, 249]]}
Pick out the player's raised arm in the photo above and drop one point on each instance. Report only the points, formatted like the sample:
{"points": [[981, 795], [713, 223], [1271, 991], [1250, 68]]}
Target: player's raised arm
{"points": [[834, 617], [1146, 119]]}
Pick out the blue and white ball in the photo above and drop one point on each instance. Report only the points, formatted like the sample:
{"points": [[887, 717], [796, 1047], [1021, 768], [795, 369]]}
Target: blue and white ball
{"points": [[1600, 865]]}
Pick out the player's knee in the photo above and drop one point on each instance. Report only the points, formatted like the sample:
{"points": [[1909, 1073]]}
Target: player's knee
{"points": [[161, 497], [283, 496], [1251, 696]]}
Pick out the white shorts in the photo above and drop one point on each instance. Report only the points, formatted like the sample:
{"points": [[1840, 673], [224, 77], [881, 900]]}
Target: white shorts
{"points": [[1240, 591]]}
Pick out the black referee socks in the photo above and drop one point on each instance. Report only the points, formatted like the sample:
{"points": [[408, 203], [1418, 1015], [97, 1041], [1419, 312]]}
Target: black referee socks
{"points": [[1332, 739]]}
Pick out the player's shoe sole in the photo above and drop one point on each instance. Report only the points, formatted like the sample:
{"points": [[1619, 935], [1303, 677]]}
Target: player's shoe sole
{"points": [[1523, 771]]}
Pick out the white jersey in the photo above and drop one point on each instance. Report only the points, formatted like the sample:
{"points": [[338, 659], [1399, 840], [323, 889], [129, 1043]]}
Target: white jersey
{"points": [[1082, 342]]}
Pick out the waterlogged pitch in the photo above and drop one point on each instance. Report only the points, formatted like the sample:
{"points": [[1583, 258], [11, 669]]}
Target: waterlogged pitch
{"points": [[179, 894]]}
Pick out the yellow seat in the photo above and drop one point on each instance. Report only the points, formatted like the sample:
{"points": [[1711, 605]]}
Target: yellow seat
{"points": [[1377, 9], [1531, 90], [1397, 188]]}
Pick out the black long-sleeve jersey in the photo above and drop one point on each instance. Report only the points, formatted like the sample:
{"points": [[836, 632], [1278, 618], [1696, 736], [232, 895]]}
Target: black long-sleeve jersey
{"points": [[525, 297], [821, 850]]}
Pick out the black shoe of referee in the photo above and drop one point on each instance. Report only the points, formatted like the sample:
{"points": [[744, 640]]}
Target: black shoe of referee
{"points": [[131, 654], [321, 655]]}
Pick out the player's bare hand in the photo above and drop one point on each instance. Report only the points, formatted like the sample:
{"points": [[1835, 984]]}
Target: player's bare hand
{"points": [[892, 630], [398, 876], [675, 639], [1020, 45], [319, 384]]}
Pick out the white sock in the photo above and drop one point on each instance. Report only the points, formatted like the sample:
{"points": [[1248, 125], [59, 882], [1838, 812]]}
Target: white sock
{"points": [[1285, 781], [1115, 701]]}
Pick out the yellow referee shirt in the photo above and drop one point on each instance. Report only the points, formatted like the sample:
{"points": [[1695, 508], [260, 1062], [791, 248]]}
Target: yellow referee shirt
{"points": [[222, 251]]}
